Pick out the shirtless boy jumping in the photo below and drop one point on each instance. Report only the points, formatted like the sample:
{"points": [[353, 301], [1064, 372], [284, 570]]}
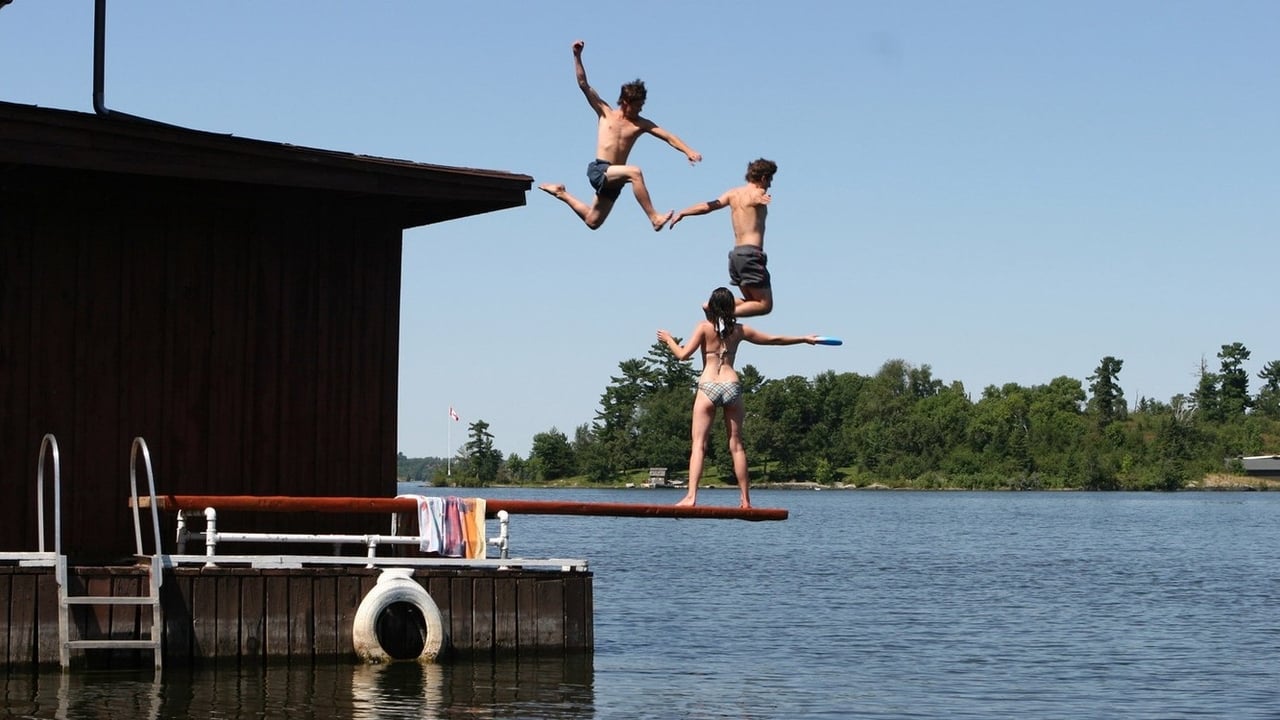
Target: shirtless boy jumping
{"points": [[747, 260], [618, 131]]}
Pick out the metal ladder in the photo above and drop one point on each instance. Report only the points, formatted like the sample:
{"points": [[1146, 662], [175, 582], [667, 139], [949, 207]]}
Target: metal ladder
{"points": [[152, 561], [66, 601]]}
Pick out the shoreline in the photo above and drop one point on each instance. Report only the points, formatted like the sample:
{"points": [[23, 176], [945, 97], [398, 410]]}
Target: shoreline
{"points": [[1210, 483]]}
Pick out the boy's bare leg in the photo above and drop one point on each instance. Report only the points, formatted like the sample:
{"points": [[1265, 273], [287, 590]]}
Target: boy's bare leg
{"points": [[592, 215], [754, 302], [636, 178]]}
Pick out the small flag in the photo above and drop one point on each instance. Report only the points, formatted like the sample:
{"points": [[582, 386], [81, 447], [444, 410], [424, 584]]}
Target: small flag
{"points": [[453, 414]]}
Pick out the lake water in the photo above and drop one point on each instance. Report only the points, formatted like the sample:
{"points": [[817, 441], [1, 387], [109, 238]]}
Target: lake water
{"points": [[864, 604]]}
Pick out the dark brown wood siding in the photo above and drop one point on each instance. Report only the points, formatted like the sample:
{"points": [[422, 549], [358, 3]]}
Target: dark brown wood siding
{"points": [[248, 334]]}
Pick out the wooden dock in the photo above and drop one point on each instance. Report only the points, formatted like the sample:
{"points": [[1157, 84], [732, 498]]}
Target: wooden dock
{"points": [[246, 614]]}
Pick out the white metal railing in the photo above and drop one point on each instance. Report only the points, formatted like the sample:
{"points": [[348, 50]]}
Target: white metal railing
{"points": [[211, 536]]}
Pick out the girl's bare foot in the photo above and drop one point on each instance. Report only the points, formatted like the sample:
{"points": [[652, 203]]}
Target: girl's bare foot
{"points": [[659, 221], [688, 501]]}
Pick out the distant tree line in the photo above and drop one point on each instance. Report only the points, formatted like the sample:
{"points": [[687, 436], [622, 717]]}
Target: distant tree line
{"points": [[903, 427], [419, 470]]}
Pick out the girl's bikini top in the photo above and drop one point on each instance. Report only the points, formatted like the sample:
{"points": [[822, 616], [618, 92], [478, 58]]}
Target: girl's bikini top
{"points": [[720, 354]]}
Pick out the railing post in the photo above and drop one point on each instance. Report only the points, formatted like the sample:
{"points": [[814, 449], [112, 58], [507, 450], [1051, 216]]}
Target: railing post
{"points": [[210, 536], [180, 540], [502, 541]]}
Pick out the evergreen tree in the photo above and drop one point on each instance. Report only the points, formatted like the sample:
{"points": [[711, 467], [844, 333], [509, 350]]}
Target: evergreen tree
{"points": [[617, 422], [483, 460], [1268, 402], [1205, 398], [593, 458], [1108, 399], [554, 455], [1233, 394], [516, 469], [663, 428]]}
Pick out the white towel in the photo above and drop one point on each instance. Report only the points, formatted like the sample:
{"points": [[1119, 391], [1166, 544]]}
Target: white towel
{"points": [[430, 522]]}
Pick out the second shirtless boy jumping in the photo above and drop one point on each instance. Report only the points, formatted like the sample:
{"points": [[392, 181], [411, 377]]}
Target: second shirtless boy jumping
{"points": [[747, 260]]}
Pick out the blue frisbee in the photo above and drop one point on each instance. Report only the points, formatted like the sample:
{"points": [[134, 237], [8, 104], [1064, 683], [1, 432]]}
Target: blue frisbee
{"points": [[828, 340]]}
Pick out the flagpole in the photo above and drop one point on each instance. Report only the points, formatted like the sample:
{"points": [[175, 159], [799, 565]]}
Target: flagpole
{"points": [[448, 450]]}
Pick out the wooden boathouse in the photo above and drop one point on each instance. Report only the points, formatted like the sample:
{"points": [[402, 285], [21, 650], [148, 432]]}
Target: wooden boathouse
{"points": [[235, 302]]}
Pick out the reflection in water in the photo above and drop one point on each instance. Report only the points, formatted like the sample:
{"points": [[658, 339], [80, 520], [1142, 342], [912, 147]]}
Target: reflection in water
{"points": [[82, 694], [379, 691], [545, 687], [530, 686]]}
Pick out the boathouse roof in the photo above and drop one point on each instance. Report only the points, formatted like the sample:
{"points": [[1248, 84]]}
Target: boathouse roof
{"points": [[411, 193]]}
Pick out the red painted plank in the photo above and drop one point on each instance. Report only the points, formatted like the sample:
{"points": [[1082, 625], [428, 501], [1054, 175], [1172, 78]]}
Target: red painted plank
{"points": [[287, 503]]}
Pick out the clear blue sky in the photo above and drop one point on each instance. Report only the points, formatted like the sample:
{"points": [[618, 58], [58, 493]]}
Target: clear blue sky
{"points": [[1006, 191]]}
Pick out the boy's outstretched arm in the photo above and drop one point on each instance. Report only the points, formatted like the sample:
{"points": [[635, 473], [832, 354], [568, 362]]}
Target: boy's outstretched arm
{"points": [[701, 208], [670, 138], [593, 98]]}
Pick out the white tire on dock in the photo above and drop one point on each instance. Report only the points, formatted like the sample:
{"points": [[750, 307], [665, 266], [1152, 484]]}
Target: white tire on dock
{"points": [[400, 627]]}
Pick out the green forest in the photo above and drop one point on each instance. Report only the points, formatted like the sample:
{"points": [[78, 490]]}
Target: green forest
{"points": [[902, 428]]}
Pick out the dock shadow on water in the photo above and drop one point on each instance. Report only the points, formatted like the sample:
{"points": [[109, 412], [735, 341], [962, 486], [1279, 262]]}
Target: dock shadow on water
{"points": [[543, 687]]}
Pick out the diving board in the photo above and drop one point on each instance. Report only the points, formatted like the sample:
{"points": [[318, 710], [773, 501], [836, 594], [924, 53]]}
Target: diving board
{"points": [[288, 503]]}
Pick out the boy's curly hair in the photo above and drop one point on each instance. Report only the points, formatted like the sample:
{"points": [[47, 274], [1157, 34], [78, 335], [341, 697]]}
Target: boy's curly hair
{"points": [[761, 169], [633, 92]]}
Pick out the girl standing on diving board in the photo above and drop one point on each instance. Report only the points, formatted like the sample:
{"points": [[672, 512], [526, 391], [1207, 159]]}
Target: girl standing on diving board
{"points": [[718, 337]]}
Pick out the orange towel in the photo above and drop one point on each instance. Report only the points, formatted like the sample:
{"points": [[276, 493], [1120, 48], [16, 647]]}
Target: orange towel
{"points": [[473, 527]]}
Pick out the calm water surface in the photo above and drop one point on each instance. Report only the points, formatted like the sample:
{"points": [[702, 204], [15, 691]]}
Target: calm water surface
{"points": [[862, 605]]}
